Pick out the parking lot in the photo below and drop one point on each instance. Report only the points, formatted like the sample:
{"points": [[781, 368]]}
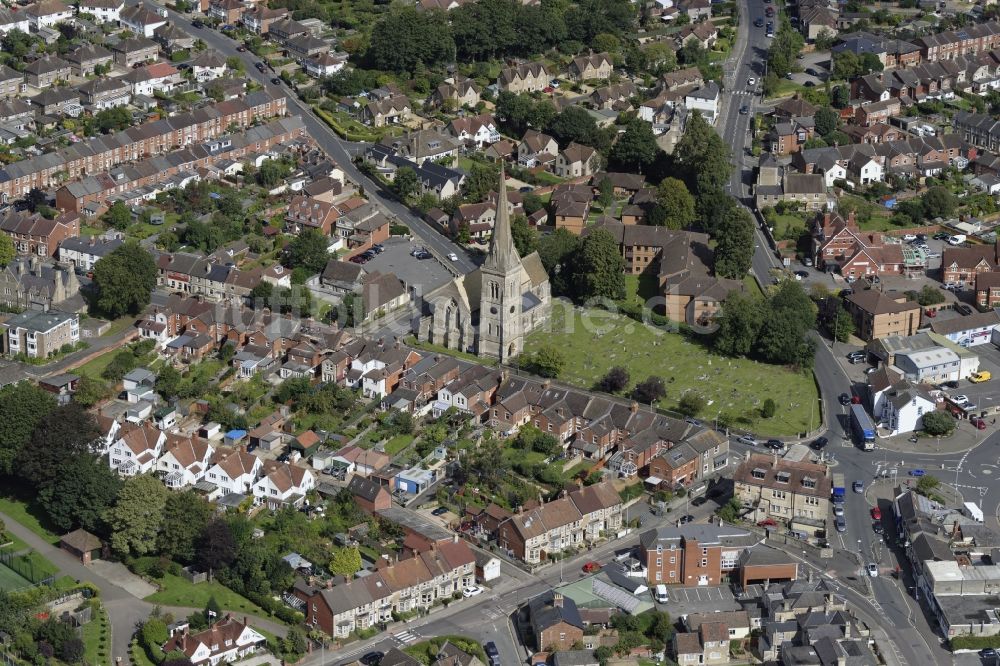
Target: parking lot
{"points": [[687, 600], [427, 273]]}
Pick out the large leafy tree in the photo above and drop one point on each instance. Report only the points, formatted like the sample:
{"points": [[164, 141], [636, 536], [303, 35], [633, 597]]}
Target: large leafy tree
{"points": [[557, 252], [524, 235], [734, 244], [739, 324], [184, 519], [405, 36], [124, 280], [636, 149], [574, 124], [83, 489], [66, 433], [599, 267], [677, 203], [22, 407], [6, 249], [309, 251], [215, 549], [703, 157], [345, 561], [136, 517]]}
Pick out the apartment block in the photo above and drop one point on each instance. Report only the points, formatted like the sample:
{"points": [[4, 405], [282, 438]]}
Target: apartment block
{"points": [[38, 334]]}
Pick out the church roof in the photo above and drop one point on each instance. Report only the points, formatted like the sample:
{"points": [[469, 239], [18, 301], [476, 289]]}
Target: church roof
{"points": [[534, 269]]}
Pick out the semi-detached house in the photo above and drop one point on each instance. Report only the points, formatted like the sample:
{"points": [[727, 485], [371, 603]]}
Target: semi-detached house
{"points": [[185, 461], [136, 449], [234, 472]]}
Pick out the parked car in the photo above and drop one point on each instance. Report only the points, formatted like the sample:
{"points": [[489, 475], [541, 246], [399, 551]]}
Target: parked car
{"points": [[372, 658], [978, 422], [960, 399], [964, 309], [876, 513], [909, 237], [838, 509], [930, 313], [440, 511], [840, 524], [276, 81], [197, 24], [819, 443], [775, 444], [769, 11], [980, 377], [941, 236], [801, 275], [857, 354], [747, 439], [806, 261], [259, 66], [844, 398], [686, 519], [471, 591]]}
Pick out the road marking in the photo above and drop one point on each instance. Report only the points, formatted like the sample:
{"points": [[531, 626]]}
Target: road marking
{"points": [[406, 637]]}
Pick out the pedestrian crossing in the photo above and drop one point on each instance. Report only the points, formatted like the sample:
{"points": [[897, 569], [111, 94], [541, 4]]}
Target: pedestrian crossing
{"points": [[406, 637], [744, 93], [494, 613]]}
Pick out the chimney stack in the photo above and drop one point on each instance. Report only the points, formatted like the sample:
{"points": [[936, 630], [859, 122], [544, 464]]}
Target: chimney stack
{"points": [[557, 600]]}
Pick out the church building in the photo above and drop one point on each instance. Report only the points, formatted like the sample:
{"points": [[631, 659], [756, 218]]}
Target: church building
{"points": [[491, 310]]}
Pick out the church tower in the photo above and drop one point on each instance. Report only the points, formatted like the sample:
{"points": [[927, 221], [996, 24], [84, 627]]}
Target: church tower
{"points": [[500, 332]]}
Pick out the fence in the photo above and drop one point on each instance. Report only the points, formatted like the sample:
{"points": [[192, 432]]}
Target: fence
{"points": [[24, 566]]}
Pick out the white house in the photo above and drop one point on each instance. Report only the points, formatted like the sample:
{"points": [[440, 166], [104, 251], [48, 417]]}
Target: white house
{"points": [[900, 408], [13, 21], [208, 65], [185, 461], [704, 99], [136, 449], [103, 11], [866, 170], [148, 80], [283, 483], [226, 641], [83, 253], [832, 172], [324, 64], [975, 329], [929, 366], [235, 472], [141, 21], [47, 13], [138, 385]]}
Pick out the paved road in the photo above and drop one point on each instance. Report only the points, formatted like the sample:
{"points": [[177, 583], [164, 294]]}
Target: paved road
{"points": [[342, 152]]}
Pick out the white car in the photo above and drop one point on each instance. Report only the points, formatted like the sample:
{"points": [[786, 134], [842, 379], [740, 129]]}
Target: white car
{"points": [[472, 591], [909, 237], [872, 569], [838, 510], [453, 256], [751, 81], [960, 399]]}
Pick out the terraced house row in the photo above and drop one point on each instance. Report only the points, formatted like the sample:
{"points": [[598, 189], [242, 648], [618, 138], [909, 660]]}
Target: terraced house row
{"points": [[135, 143]]}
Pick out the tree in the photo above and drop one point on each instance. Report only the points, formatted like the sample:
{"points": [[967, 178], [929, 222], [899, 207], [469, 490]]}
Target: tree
{"points": [[574, 124], [677, 203], [615, 380], [636, 149], [404, 37], [294, 642], [184, 519], [83, 489], [557, 251], [345, 561], [734, 244], [124, 280], [546, 362], [169, 379], [524, 235], [739, 324], [769, 409], [603, 654], [35, 198], [135, 519], [216, 548], [6, 250], [483, 179], [928, 483], [309, 250], [405, 183], [691, 404], [840, 97], [729, 512], [703, 158], [939, 202], [651, 390], [90, 391], [118, 216], [826, 120], [72, 651], [22, 407], [841, 326], [846, 65], [938, 424], [599, 268], [67, 432]]}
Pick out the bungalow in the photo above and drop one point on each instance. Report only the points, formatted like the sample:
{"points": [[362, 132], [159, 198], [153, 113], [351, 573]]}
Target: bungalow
{"points": [[324, 64]]}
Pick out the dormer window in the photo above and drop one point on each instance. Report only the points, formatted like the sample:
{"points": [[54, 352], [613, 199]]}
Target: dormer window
{"points": [[758, 473], [783, 477], [808, 482]]}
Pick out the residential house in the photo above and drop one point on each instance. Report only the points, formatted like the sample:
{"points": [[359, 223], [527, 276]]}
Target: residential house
{"points": [[476, 130], [900, 407], [40, 334], [13, 20], [304, 212], [839, 244], [789, 136], [173, 39], [817, 21], [704, 100], [227, 11], [576, 160], [234, 471], [184, 461], [105, 93], [35, 235], [259, 18], [370, 495], [45, 71], [283, 484], [524, 78], [387, 111], [83, 253], [877, 315], [973, 330], [134, 50], [102, 11], [324, 64], [536, 148], [26, 283], [207, 66], [11, 82], [988, 290], [58, 102], [781, 489], [458, 91], [964, 265], [591, 67], [85, 59], [141, 20], [224, 642], [709, 645], [47, 13], [556, 621], [136, 449]]}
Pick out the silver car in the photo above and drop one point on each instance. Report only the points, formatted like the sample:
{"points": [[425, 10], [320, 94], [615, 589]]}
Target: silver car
{"points": [[840, 524]]}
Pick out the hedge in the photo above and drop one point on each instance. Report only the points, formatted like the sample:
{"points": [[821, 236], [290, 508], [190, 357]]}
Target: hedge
{"points": [[974, 642]]}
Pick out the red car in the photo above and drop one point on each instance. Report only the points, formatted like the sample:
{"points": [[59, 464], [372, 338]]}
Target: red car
{"points": [[930, 313], [767, 522], [591, 567], [769, 11], [876, 513]]}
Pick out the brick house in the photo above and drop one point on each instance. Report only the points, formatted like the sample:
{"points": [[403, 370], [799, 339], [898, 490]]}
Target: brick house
{"points": [[692, 555], [308, 213], [674, 467], [962, 265], [988, 289], [556, 622], [34, 235], [878, 316], [369, 494]]}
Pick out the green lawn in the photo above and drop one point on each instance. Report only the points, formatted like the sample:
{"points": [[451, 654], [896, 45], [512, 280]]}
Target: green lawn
{"points": [[397, 444], [95, 366], [11, 581], [733, 387], [32, 566], [519, 455], [787, 88], [788, 226], [179, 591], [27, 516]]}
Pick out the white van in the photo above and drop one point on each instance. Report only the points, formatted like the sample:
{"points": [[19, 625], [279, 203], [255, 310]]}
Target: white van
{"points": [[661, 594]]}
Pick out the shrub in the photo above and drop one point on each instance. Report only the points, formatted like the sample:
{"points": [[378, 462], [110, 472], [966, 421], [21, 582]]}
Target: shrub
{"points": [[769, 408]]}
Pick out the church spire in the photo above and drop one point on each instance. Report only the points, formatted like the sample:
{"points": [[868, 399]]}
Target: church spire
{"points": [[502, 255]]}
